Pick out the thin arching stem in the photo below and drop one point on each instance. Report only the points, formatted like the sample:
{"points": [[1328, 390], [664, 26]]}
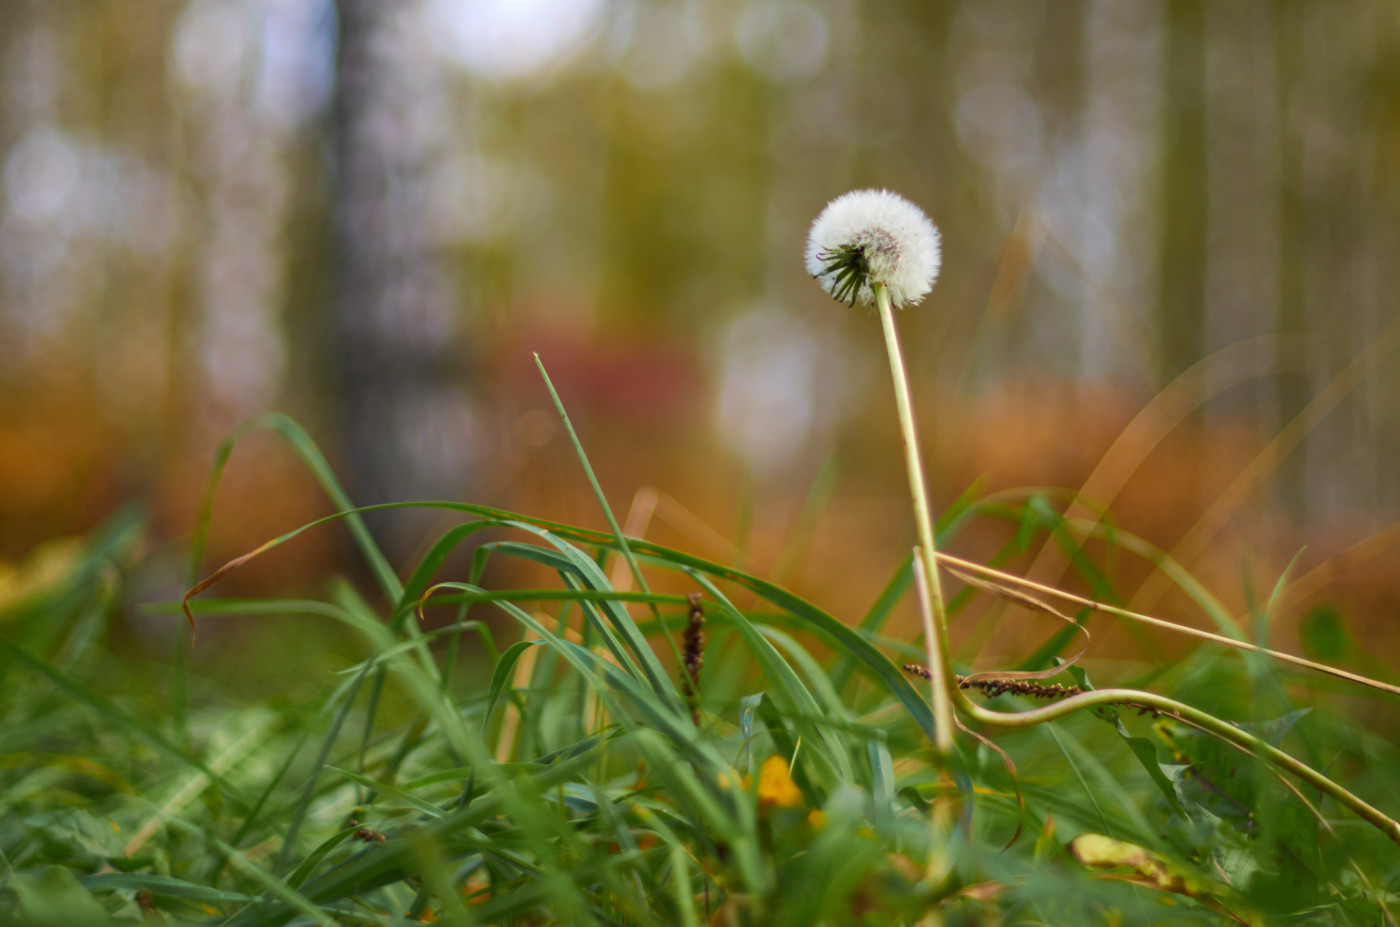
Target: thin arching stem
{"points": [[1134, 698]]}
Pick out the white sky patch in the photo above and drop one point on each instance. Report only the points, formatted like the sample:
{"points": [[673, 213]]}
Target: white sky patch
{"points": [[42, 174], [211, 45], [508, 39], [660, 44], [286, 47], [297, 68], [59, 184], [784, 39]]}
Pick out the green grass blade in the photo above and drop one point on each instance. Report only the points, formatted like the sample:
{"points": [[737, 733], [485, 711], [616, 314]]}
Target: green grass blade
{"points": [[608, 628], [592, 577], [315, 461], [876, 617], [876, 664], [109, 711], [275, 886], [313, 859], [407, 798], [593, 482], [501, 675], [162, 885], [313, 777], [788, 689]]}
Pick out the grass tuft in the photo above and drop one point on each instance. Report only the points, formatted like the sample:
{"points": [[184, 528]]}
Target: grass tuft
{"points": [[584, 778]]}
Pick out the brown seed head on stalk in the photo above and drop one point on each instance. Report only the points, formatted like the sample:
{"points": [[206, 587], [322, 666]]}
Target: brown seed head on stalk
{"points": [[693, 657], [994, 684]]}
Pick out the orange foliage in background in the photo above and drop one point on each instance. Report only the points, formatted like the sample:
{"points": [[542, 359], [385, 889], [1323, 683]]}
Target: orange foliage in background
{"points": [[63, 467], [353, 220]]}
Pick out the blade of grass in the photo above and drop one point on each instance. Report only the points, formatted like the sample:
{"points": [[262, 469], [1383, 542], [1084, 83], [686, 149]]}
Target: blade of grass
{"points": [[119, 718], [407, 798], [594, 578], [387, 862], [315, 461], [161, 885], [626, 656], [788, 688], [593, 482], [875, 618], [314, 775], [274, 885], [879, 666]]}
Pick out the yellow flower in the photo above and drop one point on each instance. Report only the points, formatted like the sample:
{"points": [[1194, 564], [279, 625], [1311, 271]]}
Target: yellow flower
{"points": [[775, 785]]}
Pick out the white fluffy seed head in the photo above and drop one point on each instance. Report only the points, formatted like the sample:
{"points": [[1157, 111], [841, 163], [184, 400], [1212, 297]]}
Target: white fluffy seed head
{"points": [[867, 237]]}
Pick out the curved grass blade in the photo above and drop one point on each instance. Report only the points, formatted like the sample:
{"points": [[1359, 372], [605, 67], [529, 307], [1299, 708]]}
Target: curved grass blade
{"points": [[568, 570], [593, 577], [315, 461], [876, 617], [392, 860], [880, 668], [115, 715], [500, 677], [277, 887], [432, 561], [162, 885], [407, 798], [313, 859]]}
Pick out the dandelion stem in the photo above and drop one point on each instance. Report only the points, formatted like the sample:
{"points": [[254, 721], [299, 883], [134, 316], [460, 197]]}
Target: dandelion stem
{"points": [[935, 623]]}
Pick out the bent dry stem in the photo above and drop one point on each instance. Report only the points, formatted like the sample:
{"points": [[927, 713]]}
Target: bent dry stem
{"points": [[1160, 704]]}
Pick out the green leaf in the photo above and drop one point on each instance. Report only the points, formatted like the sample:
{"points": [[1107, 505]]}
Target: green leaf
{"points": [[592, 577], [315, 461], [313, 859], [748, 705], [876, 617], [413, 801], [882, 777], [52, 897], [595, 611], [163, 885], [1146, 753], [788, 688], [501, 676]]}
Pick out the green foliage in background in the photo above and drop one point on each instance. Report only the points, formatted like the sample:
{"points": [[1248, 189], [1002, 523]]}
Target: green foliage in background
{"points": [[571, 785]]}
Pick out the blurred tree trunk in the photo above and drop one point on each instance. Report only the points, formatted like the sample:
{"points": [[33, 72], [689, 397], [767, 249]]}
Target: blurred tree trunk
{"points": [[399, 405], [1291, 393], [1182, 270]]}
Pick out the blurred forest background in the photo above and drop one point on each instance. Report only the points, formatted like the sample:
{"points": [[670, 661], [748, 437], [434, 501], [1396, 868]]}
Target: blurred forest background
{"points": [[1172, 259]]}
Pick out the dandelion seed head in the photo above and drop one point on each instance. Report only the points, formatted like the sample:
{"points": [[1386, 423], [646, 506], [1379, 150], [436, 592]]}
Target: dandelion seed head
{"points": [[869, 237]]}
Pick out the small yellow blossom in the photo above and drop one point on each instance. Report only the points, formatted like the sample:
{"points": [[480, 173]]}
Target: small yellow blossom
{"points": [[775, 785]]}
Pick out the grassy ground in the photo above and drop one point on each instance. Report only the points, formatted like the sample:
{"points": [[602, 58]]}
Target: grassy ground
{"points": [[591, 775]]}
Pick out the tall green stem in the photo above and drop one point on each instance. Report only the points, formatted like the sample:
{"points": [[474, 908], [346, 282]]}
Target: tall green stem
{"points": [[935, 623]]}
